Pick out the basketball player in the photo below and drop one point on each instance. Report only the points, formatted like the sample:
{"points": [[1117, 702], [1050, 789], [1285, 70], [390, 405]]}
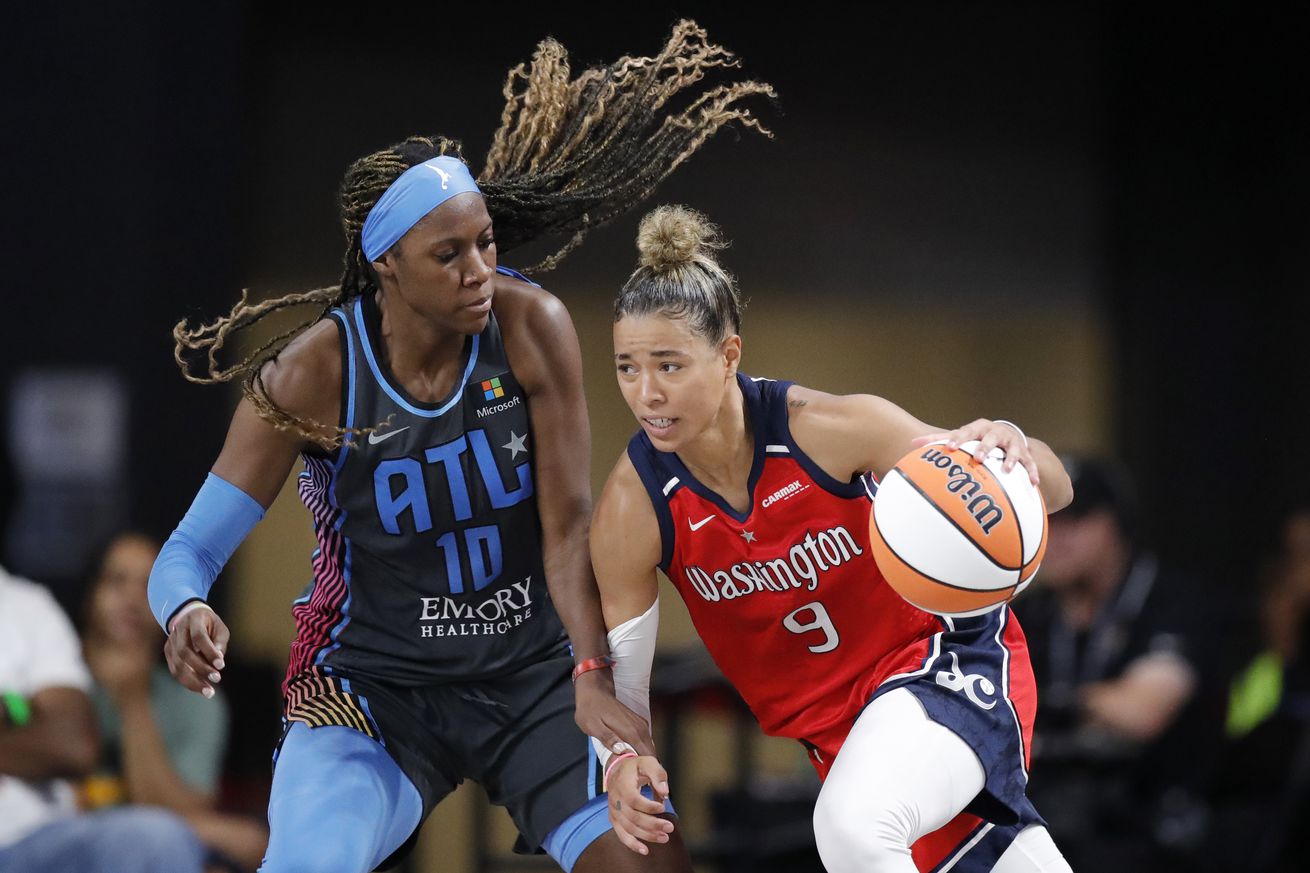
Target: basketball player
{"points": [[436, 400], [750, 495]]}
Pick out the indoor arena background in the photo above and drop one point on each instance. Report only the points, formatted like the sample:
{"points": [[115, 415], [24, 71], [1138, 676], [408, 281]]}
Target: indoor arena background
{"points": [[1088, 219]]}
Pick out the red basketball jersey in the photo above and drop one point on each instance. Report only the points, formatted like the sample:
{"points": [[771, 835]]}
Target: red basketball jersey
{"points": [[786, 596]]}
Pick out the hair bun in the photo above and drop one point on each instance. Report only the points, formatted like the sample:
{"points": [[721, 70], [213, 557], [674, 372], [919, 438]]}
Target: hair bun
{"points": [[671, 236]]}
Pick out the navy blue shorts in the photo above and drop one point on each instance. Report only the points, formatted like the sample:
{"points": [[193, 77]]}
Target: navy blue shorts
{"points": [[514, 735], [977, 681]]}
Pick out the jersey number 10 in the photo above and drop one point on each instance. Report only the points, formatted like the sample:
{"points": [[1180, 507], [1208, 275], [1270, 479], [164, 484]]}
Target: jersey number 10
{"points": [[481, 545]]}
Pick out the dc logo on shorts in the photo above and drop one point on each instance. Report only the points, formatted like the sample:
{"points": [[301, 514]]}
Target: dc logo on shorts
{"points": [[969, 683]]}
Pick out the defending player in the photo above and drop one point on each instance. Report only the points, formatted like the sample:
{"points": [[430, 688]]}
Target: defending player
{"points": [[750, 494], [450, 512]]}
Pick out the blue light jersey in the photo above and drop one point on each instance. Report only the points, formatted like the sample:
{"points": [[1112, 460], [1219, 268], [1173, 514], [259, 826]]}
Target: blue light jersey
{"points": [[429, 565]]}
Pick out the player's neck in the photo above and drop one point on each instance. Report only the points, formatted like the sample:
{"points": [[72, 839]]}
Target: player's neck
{"points": [[721, 455], [424, 357]]}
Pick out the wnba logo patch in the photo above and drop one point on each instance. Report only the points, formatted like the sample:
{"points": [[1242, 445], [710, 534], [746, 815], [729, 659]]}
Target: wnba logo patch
{"points": [[491, 389]]}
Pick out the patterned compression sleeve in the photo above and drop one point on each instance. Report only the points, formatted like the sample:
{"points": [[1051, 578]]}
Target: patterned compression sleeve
{"points": [[219, 519]]}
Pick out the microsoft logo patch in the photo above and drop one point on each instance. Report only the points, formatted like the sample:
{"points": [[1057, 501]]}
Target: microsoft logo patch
{"points": [[491, 389]]}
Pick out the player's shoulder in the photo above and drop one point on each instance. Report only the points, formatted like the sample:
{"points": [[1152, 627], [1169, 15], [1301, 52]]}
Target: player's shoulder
{"points": [[624, 483], [803, 399], [624, 498], [520, 304], [305, 377], [836, 430], [626, 516], [809, 407], [539, 337]]}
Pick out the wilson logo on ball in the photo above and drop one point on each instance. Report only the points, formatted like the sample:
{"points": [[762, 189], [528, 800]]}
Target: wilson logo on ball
{"points": [[962, 483]]}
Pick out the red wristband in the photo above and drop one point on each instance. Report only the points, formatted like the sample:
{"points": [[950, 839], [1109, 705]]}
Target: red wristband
{"points": [[604, 662]]}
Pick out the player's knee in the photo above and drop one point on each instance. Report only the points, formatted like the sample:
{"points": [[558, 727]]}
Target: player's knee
{"points": [[871, 836]]}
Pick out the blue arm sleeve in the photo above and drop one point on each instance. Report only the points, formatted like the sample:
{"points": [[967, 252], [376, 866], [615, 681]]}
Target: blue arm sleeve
{"points": [[219, 519]]}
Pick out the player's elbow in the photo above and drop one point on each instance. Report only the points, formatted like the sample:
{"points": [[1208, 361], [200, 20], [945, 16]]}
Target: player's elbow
{"points": [[567, 520], [1057, 494], [1056, 487]]}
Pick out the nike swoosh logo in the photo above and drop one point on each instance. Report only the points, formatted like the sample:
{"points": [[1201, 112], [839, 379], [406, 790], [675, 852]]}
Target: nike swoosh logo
{"points": [[700, 524], [374, 438]]}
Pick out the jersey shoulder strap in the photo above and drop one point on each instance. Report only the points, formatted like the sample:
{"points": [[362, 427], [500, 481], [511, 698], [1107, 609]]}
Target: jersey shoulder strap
{"points": [[661, 483], [515, 274], [767, 400], [349, 351]]}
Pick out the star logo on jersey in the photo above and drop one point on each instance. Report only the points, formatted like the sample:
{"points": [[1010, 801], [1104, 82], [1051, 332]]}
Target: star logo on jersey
{"points": [[516, 445], [748, 536]]}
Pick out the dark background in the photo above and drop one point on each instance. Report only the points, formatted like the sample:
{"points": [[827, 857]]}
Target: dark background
{"points": [[1141, 168], [159, 157]]}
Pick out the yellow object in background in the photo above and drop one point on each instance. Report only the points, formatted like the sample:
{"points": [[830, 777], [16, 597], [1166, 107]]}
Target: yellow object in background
{"points": [[99, 791], [1254, 695]]}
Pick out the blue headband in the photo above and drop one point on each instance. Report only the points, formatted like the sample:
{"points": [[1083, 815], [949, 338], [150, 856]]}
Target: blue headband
{"points": [[418, 191]]}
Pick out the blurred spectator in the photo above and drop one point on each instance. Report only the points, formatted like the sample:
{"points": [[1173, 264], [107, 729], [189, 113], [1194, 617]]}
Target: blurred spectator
{"points": [[1124, 653], [163, 745], [1264, 789], [48, 736]]}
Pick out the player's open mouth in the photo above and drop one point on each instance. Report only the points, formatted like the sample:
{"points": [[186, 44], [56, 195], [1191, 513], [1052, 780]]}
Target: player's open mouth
{"points": [[659, 425]]}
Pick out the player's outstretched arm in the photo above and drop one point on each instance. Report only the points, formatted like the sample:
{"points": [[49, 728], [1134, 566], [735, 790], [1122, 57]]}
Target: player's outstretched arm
{"points": [[625, 551], [854, 433], [256, 458]]}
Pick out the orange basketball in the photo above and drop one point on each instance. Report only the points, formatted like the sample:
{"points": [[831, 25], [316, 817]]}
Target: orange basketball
{"points": [[956, 537]]}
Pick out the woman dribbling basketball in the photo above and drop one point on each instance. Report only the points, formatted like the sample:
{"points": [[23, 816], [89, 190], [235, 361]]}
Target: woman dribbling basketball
{"points": [[751, 495]]}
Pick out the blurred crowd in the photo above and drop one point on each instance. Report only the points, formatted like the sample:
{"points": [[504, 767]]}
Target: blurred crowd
{"points": [[1173, 729], [106, 763]]}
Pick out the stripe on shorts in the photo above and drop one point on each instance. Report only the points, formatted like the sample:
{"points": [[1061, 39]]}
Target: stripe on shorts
{"points": [[319, 700]]}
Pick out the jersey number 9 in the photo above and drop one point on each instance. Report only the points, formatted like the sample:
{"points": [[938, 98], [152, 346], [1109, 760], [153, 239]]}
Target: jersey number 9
{"points": [[820, 621]]}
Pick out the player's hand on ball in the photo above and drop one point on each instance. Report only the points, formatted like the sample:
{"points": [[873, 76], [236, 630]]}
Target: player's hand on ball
{"points": [[195, 648], [636, 817], [990, 435]]}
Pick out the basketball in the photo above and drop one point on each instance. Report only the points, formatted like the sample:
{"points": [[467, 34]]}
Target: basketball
{"points": [[956, 537]]}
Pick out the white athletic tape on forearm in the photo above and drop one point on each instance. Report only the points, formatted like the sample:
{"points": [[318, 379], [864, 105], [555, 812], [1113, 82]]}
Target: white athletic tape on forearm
{"points": [[632, 646]]}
